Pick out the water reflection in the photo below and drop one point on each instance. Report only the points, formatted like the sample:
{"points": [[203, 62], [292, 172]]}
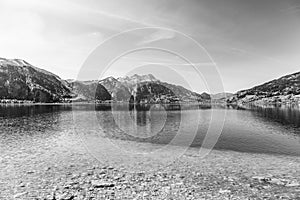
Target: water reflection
{"points": [[10, 111], [252, 129], [287, 115], [143, 122], [31, 126]]}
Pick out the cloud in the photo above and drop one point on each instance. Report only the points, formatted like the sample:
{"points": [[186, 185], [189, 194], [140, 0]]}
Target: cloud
{"points": [[74, 17], [158, 36], [56, 35], [292, 9], [123, 18], [180, 64], [256, 55]]}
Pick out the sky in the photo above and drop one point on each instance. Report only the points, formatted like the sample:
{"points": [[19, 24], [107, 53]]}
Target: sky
{"points": [[239, 43]]}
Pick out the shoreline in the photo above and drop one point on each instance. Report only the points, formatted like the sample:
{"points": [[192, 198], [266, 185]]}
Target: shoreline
{"points": [[222, 104]]}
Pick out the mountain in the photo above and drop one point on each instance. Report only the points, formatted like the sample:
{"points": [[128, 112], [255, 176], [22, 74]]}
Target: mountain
{"points": [[223, 95], [118, 90], [284, 89], [129, 80], [154, 92], [206, 96], [20, 80], [147, 88], [89, 91]]}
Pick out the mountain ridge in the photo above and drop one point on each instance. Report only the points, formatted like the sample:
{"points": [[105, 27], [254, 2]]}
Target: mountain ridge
{"points": [[130, 86], [20, 80], [285, 89]]}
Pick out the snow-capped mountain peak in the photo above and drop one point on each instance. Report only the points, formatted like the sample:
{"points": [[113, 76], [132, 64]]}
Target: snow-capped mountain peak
{"points": [[138, 78], [15, 62]]}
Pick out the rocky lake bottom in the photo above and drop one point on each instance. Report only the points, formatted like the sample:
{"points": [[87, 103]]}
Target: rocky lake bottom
{"points": [[56, 171]]}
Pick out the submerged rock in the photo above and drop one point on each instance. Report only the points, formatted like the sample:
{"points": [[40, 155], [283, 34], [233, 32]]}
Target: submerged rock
{"points": [[293, 184], [19, 195], [224, 191], [101, 184]]}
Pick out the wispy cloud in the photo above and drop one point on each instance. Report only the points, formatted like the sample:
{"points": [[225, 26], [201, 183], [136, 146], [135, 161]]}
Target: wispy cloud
{"points": [[158, 36], [291, 9], [250, 53], [180, 64], [123, 18], [164, 61]]}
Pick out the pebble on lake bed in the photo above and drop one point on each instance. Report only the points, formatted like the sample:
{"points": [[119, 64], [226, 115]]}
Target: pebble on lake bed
{"points": [[101, 184]]}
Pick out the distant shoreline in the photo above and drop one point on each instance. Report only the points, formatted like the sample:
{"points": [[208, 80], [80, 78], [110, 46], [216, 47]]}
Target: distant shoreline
{"points": [[23, 102], [14, 102]]}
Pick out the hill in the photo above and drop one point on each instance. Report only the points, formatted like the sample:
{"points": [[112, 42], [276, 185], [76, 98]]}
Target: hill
{"points": [[20, 80], [282, 90], [147, 88]]}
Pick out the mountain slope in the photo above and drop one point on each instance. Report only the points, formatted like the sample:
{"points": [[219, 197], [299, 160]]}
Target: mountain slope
{"points": [[222, 95], [88, 91], [147, 88], [284, 89], [118, 90], [20, 80]]}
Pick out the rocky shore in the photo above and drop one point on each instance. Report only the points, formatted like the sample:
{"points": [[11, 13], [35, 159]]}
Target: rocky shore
{"points": [[53, 170]]}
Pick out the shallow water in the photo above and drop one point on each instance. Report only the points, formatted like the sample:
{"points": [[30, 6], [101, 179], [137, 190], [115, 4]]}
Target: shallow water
{"points": [[257, 129]]}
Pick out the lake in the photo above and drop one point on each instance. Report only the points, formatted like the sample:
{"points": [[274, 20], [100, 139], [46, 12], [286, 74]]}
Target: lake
{"points": [[272, 130]]}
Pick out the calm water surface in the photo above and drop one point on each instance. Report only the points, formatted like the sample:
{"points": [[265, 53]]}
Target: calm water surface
{"points": [[257, 129]]}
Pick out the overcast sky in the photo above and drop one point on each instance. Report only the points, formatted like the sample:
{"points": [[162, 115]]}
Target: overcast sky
{"points": [[250, 41]]}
